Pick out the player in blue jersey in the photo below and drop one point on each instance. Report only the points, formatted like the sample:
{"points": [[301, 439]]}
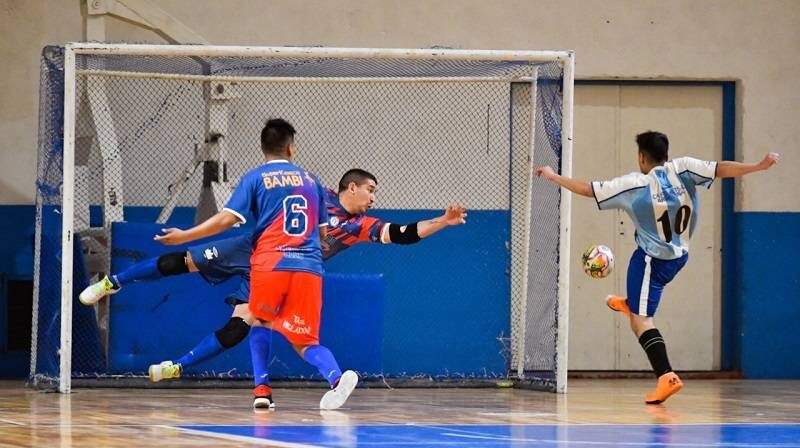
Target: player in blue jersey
{"points": [[287, 204], [220, 260], [663, 204]]}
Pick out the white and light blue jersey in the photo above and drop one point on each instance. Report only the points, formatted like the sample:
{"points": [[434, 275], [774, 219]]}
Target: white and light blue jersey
{"points": [[663, 203]]}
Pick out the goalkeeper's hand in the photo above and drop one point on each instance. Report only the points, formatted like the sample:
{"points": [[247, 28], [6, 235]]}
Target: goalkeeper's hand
{"points": [[171, 236]]}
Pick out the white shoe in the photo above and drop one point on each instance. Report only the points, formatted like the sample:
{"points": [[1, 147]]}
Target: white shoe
{"points": [[96, 291], [335, 398], [164, 371]]}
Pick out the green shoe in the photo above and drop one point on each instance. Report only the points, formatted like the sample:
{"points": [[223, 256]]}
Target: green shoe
{"points": [[96, 291], [164, 371]]}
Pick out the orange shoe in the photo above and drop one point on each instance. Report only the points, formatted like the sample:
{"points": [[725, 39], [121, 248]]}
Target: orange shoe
{"points": [[668, 384], [618, 303]]}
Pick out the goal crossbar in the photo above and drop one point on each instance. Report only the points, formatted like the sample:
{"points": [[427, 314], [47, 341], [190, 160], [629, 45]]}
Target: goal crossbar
{"points": [[301, 79], [319, 52]]}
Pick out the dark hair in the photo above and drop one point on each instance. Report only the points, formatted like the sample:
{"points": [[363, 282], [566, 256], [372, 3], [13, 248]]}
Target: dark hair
{"points": [[276, 136], [654, 145], [356, 175]]}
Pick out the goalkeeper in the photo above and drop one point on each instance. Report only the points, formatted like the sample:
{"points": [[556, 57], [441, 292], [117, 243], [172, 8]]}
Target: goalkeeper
{"points": [[219, 260]]}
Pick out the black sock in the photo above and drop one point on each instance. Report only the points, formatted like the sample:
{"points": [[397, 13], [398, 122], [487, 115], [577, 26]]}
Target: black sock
{"points": [[653, 344]]}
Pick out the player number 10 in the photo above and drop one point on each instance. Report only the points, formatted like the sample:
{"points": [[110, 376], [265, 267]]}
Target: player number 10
{"points": [[681, 222], [295, 220]]}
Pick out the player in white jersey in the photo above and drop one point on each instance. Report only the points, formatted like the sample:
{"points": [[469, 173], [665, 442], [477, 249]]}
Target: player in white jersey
{"points": [[662, 202]]}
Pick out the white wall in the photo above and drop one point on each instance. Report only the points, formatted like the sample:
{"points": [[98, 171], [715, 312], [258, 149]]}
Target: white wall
{"points": [[756, 43]]}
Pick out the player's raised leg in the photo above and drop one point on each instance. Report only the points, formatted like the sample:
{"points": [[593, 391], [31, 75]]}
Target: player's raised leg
{"points": [[173, 263], [234, 332]]}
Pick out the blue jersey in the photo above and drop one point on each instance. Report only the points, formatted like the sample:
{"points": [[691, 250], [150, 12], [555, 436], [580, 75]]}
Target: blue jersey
{"points": [[663, 204], [288, 205], [220, 260]]}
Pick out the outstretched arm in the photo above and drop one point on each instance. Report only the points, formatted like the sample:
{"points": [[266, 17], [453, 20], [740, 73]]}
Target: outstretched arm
{"points": [[576, 186], [454, 214], [218, 223], [728, 168]]}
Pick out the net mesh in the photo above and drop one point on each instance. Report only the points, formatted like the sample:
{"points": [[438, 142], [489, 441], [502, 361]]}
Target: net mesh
{"points": [[462, 130]]}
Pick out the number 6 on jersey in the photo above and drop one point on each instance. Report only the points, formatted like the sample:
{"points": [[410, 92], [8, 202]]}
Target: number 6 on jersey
{"points": [[295, 220]]}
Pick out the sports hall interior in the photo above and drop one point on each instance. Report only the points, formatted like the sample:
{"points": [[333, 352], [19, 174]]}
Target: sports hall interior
{"points": [[430, 325]]}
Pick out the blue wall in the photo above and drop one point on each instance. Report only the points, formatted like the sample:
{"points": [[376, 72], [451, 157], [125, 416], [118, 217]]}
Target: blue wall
{"points": [[16, 241], [768, 289], [443, 311], [428, 329], [447, 299]]}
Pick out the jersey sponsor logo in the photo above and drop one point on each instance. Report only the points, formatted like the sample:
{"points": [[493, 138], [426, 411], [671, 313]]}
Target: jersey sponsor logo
{"points": [[668, 191], [281, 178], [661, 197], [297, 326], [210, 253]]}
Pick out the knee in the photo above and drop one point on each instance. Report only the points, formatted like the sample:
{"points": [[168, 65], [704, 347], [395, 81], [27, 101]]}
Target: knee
{"points": [[640, 324], [173, 263], [242, 310], [300, 349], [233, 332]]}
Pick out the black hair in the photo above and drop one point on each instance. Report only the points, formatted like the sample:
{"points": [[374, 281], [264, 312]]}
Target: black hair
{"points": [[654, 145], [356, 175], [276, 137]]}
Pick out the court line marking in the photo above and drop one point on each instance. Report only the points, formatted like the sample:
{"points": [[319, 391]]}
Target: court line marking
{"points": [[495, 437], [518, 414], [248, 439], [444, 425], [450, 431], [467, 434]]}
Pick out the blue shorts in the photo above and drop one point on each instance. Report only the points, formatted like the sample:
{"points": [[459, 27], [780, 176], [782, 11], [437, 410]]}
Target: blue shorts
{"points": [[647, 277], [220, 260]]}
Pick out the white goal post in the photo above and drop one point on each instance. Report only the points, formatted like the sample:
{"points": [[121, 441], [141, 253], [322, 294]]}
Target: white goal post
{"points": [[565, 59]]}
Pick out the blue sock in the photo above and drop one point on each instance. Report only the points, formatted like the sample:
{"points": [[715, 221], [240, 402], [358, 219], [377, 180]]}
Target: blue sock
{"points": [[207, 348], [260, 346], [143, 270], [320, 357]]}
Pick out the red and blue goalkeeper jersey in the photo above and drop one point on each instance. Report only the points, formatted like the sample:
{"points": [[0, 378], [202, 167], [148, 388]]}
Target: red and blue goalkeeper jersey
{"points": [[345, 229], [288, 205]]}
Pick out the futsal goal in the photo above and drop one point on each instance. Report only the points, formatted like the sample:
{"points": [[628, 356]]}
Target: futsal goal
{"points": [[136, 137]]}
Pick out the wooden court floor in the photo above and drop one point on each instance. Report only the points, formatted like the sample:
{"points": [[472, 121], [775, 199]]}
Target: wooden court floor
{"points": [[180, 417]]}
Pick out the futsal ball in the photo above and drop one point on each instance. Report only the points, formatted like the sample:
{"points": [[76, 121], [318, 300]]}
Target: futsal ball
{"points": [[598, 261]]}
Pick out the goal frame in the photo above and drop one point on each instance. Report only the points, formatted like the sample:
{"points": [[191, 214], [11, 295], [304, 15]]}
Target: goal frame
{"points": [[565, 58]]}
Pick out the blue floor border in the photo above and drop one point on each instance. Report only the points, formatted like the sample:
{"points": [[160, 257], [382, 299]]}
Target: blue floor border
{"points": [[760, 435]]}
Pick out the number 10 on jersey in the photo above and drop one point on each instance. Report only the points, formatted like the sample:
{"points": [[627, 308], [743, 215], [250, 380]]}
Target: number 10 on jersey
{"points": [[681, 222]]}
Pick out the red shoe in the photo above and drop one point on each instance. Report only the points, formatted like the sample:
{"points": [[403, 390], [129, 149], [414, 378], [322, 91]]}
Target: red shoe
{"points": [[619, 304], [668, 384], [262, 397]]}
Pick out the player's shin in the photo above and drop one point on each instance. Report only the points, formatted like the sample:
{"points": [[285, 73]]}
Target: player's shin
{"points": [[260, 353], [653, 344], [207, 348], [172, 263], [215, 343], [320, 357]]}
